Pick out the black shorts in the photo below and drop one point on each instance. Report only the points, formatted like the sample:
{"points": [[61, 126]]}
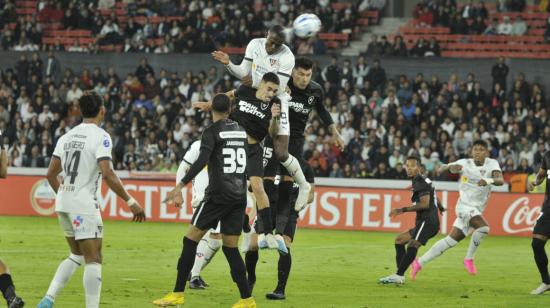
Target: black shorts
{"points": [[230, 216], [423, 231], [254, 163], [295, 148], [290, 229], [542, 226]]}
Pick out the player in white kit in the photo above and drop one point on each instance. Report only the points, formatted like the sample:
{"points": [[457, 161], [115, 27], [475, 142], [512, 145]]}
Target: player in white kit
{"points": [[212, 240], [265, 55], [84, 156], [477, 174]]}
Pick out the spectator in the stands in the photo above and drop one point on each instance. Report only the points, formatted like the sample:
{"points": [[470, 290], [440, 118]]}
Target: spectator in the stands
{"points": [[505, 27], [425, 18], [332, 72], [519, 27], [468, 10], [419, 48], [478, 25], [499, 72], [458, 25], [360, 71], [398, 48], [547, 31], [433, 49], [377, 76], [492, 28]]}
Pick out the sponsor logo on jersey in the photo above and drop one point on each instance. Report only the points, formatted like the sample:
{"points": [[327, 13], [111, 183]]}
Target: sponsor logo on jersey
{"points": [[251, 109], [272, 61], [231, 135], [43, 198], [78, 221], [299, 107], [106, 142]]}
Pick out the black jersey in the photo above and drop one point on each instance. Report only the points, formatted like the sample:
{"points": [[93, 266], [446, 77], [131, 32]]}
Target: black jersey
{"points": [[223, 147], [251, 113], [546, 167], [301, 104], [423, 186]]}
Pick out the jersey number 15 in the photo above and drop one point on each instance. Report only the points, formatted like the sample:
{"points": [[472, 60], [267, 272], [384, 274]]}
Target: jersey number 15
{"points": [[234, 160]]}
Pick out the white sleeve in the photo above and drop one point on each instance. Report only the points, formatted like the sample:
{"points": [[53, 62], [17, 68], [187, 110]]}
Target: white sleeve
{"points": [[193, 153], [285, 70], [105, 148], [495, 166], [243, 69], [182, 170], [58, 151], [461, 162]]}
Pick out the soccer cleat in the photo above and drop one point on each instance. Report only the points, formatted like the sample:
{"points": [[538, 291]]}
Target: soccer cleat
{"points": [[303, 194], [196, 283], [262, 241], [392, 279], [415, 268], [272, 241], [281, 246], [245, 244], [45, 303], [245, 303], [17, 302], [170, 299], [541, 289], [470, 267], [275, 295]]}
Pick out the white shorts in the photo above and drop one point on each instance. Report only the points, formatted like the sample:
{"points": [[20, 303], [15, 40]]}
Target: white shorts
{"points": [[463, 217], [81, 226], [284, 123]]}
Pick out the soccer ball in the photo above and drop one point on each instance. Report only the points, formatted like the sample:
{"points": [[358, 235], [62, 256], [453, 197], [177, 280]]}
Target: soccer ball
{"points": [[306, 25]]}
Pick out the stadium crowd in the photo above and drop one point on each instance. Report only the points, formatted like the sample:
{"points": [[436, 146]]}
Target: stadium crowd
{"points": [[179, 26], [382, 118]]}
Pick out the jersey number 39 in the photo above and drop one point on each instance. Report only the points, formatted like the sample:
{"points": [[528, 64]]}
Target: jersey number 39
{"points": [[234, 160]]}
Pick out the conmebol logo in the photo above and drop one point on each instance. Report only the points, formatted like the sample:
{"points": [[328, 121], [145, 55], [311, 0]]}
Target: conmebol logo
{"points": [[520, 217]]}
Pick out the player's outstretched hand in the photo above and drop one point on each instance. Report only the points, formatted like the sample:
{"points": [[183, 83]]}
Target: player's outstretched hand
{"points": [[174, 196], [139, 214], [221, 57], [202, 106], [339, 142], [455, 168], [247, 80], [531, 185], [275, 110], [396, 212]]}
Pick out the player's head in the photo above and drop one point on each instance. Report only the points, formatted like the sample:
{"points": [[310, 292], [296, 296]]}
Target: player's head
{"points": [[275, 39], [480, 151], [221, 105], [413, 166], [91, 106], [302, 72], [268, 87]]}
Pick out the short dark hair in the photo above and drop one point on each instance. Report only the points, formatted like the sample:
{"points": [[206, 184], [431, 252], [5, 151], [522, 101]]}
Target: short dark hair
{"points": [[221, 103], [90, 103], [271, 77], [278, 31], [416, 158], [304, 63], [481, 142]]}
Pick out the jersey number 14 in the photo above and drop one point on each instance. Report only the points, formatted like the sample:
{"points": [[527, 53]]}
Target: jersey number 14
{"points": [[71, 166], [234, 160]]}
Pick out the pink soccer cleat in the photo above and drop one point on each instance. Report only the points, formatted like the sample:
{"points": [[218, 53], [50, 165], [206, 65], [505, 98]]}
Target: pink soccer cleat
{"points": [[416, 267], [470, 267]]}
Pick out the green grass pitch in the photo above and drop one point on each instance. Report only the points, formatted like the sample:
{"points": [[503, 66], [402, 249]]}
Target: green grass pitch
{"points": [[329, 269]]}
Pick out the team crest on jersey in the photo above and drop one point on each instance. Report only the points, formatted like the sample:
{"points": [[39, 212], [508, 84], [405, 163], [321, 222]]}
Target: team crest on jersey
{"points": [[272, 61], [264, 106], [106, 143], [310, 100], [482, 171], [78, 221]]}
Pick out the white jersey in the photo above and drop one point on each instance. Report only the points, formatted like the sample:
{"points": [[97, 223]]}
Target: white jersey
{"points": [[200, 182], [281, 63], [80, 151], [472, 195]]}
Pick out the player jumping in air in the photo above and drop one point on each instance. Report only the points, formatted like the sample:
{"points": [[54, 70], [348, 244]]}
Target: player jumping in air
{"points": [[224, 149], [427, 221], [6, 284], [541, 232], [84, 155], [265, 55], [306, 96], [477, 174]]}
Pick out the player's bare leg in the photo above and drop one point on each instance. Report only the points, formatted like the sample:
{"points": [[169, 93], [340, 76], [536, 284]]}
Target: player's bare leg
{"points": [[292, 165], [238, 270], [251, 260], [64, 272], [437, 249], [206, 250], [8, 288], [541, 259], [481, 230], [185, 263]]}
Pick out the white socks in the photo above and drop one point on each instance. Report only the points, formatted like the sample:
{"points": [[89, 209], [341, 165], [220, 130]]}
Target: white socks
{"points": [[477, 237], [92, 284], [437, 249], [293, 167], [206, 250], [64, 272]]}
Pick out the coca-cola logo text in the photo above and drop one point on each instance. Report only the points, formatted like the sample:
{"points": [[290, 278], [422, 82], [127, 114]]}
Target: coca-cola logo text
{"points": [[520, 217]]}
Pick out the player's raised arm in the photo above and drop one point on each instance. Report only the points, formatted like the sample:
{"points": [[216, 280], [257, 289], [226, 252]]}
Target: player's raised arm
{"points": [[275, 113], [454, 168], [325, 116], [207, 106], [240, 71]]}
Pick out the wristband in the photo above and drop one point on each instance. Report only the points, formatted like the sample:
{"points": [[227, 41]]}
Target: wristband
{"points": [[131, 202], [403, 209], [489, 181]]}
